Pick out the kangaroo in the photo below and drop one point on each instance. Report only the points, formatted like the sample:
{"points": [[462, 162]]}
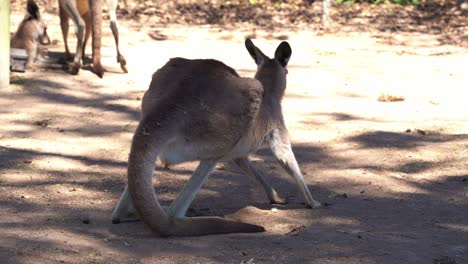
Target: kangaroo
{"points": [[31, 32], [202, 110], [87, 17]]}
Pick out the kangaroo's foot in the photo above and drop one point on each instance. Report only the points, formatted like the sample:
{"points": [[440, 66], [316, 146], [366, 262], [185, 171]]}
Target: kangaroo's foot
{"points": [[130, 217], [123, 63], [128, 214], [314, 204], [98, 69], [73, 67], [276, 199]]}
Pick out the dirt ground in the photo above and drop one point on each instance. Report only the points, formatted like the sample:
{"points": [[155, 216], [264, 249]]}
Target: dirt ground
{"points": [[395, 173]]}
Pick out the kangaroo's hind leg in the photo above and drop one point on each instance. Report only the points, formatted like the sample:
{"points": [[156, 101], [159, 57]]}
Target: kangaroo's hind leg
{"points": [[180, 205], [112, 6], [124, 211]]}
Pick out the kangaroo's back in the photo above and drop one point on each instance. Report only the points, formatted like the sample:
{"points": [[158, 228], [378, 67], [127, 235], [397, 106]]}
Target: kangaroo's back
{"points": [[209, 99], [180, 74]]}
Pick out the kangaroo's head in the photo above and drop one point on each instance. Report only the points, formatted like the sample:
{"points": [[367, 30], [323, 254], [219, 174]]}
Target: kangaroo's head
{"points": [[271, 72], [34, 25]]}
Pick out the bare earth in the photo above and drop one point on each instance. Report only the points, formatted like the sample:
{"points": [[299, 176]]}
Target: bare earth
{"points": [[395, 173]]}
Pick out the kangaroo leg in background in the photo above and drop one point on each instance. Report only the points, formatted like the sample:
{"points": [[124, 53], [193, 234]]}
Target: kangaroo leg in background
{"points": [[281, 148], [89, 28], [71, 11], [96, 18], [64, 24], [247, 167], [112, 6]]}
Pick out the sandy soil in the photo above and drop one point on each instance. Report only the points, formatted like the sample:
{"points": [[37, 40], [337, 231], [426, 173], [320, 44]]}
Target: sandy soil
{"points": [[395, 173]]}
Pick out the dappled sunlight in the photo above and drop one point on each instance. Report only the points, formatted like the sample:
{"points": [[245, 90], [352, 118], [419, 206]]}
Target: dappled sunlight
{"points": [[58, 163], [455, 227]]}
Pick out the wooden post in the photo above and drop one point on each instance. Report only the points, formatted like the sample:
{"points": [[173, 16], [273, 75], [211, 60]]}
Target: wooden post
{"points": [[4, 43]]}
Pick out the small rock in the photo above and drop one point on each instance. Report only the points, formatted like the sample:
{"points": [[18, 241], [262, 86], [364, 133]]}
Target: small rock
{"points": [[85, 220], [274, 210], [42, 123], [421, 132]]}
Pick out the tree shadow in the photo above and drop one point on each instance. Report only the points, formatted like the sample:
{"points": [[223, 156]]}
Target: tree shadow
{"points": [[404, 140]]}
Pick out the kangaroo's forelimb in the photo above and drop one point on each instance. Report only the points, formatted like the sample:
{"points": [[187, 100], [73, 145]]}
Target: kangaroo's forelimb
{"points": [[281, 147], [247, 167]]}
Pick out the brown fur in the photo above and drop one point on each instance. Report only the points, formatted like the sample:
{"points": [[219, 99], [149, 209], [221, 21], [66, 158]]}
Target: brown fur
{"points": [[31, 32], [87, 17], [202, 110]]}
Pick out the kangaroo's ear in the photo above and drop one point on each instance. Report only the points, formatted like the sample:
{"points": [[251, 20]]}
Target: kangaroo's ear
{"points": [[33, 9], [283, 53], [254, 52]]}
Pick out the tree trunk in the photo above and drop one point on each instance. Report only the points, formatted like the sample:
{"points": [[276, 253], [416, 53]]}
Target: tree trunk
{"points": [[4, 43], [326, 14]]}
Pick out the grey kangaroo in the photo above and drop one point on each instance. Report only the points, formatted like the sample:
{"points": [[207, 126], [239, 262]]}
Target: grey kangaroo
{"points": [[31, 32], [87, 17], [202, 110]]}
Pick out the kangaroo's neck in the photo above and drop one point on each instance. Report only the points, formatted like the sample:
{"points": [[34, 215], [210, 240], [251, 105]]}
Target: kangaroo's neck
{"points": [[273, 81], [270, 113]]}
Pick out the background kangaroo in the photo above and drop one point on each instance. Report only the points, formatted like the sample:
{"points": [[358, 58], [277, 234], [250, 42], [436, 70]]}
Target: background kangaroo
{"points": [[202, 110], [87, 17], [31, 32]]}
